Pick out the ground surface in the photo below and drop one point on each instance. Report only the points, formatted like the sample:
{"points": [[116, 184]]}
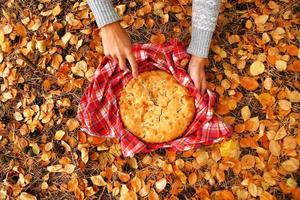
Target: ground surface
{"points": [[49, 51]]}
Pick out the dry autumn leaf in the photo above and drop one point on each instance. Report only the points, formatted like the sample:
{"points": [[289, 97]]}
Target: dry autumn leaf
{"points": [[290, 165], [257, 68], [158, 38], [98, 180], [249, 83]]}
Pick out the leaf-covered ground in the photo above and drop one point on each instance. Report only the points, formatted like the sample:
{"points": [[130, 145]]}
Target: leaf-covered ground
{"points": [[49, 50]]}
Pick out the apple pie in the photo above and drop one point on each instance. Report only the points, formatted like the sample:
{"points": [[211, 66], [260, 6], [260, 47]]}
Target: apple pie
{"points": [[155, 107]]}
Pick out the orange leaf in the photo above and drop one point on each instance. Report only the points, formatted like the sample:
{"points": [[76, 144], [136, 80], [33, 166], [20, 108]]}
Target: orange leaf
{"points": [[192, 178], [249, 83], [81, 137], [20, 30], [252, 124], [222, 109], [202, 193], [96, 140], [158, 38], [292, 50], [171, 155], [266, 99], [296, 194], [248, 161], [248, 142], [294, 67], [46, 84], [222, 195], [239, 128]]}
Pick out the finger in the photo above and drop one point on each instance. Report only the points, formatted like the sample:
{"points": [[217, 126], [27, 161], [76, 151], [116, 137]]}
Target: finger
{"points": [[197, 83], [113, 58], [203, 86], [133, 64], [122, 62]]}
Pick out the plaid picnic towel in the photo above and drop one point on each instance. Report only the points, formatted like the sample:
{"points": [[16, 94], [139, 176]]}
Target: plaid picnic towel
{"points": [[98, 109]]}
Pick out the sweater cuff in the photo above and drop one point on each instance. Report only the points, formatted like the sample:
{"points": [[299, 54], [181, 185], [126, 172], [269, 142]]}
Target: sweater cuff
{"points": [[103, 11], [200, 42]]}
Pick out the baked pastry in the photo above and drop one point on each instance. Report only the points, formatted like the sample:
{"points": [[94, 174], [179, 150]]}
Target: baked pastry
{"points": [[155, 107]]}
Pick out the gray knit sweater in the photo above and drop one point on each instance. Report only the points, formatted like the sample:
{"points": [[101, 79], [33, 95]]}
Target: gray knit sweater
{"points": [[204, 17]]}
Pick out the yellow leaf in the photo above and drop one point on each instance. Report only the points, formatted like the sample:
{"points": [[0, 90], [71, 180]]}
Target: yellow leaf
{"points": [[41, 45], [55, 168], [281, 65], [18, 116], [274, 148], [268, 82], [202, 158], [144, 190], [261, 19], [121, 9], [252, 188], [228, 148], [59, 135], [69, 168], [285, 104], [281, 133], [65, 39], [80, 68], [2, 36], [291, 183], [84, 155], [56, 10], [246, 114], [26, 196], [160, 184], [294, 96], [158, 5], [290, 165], [98, 180], [136, 184], [257, 68], [35, 148]]}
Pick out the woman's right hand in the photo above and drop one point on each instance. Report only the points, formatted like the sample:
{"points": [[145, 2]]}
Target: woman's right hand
{"points": [[117, 44]]}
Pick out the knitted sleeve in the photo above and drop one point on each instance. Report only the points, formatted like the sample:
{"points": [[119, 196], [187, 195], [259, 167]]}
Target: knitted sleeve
{"points": [[103, 11], [204, 17]]}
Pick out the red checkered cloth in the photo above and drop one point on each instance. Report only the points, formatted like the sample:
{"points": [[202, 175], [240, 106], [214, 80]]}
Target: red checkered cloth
{"points": [[98, 110]]}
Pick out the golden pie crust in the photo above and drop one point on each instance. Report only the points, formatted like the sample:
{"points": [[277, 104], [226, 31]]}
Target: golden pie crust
{"points": [[155, 107]]}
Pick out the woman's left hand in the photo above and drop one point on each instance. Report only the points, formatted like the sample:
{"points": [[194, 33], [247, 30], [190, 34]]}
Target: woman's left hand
{"points": [[196, 69]]}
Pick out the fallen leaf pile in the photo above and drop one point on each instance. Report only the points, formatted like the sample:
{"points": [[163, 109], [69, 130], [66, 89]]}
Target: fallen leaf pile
{"points": [[49, 50]]}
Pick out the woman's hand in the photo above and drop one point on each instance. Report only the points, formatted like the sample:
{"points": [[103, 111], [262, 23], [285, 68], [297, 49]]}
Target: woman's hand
{"points": [[196, 69], [117, 44]]}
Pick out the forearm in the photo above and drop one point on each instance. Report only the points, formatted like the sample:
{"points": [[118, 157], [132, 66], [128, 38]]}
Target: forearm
{"points": [[103, 11], [204, 18]]}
